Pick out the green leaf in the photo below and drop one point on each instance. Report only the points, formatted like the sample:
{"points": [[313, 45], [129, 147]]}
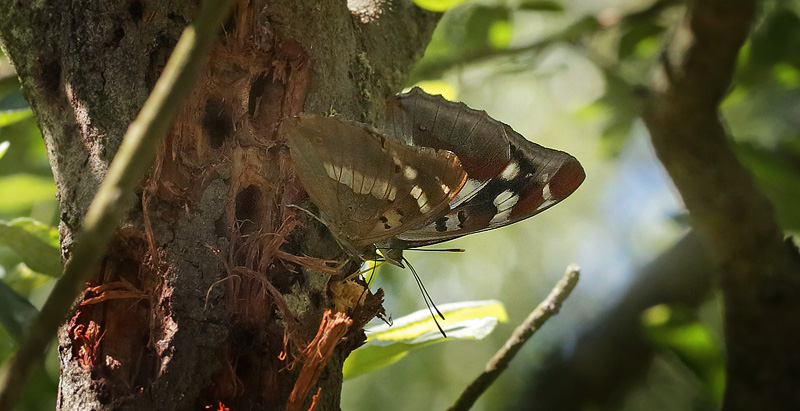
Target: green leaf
{"points": [[438, 5], [640, 39], [500, 34], [678, 330], [787, 75], [13, 108], [18, 192], [15, 312], [387, 345], [36, 243], [777, 172]]}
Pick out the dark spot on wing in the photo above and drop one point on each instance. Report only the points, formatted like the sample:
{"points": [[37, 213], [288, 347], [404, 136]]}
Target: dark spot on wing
{"points": [[462, 217], [526, 168], [441, 224]]}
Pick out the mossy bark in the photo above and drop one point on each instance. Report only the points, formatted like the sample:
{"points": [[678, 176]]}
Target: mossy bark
{"points": [[193, 303]]}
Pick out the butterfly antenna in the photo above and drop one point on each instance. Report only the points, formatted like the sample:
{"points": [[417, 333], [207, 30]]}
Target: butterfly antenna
{"points": [[314, 216], [444, 250], [426, 297]]}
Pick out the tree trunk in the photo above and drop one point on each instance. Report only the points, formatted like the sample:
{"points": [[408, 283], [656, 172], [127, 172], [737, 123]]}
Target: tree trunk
{"points": [[203, 298], [759, 269]]}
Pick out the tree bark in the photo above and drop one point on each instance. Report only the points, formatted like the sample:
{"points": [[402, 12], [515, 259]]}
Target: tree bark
{"points": [[204, 286], [760, 272]]}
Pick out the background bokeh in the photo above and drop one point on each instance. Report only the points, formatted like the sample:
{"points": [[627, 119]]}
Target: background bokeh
{"points": [[566, 74]]}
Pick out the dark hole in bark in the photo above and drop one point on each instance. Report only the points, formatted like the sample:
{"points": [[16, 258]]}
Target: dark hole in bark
{"points": [[217, 123], [136, 10], [257, 86], [230, 25], [283, 280], [247, 208], [158, 59], [221, 227], [117, 37], [243, 335], [244, 366], [50, 77], [104, 394], [316, 299], [265, 96], [177, 18]]}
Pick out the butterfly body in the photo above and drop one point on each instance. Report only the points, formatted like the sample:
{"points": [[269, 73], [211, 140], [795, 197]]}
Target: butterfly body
{"points": [[437, 171]]}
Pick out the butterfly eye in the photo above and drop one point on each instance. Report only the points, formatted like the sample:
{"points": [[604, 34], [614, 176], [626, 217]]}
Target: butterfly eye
{"points": [[397, 169]]}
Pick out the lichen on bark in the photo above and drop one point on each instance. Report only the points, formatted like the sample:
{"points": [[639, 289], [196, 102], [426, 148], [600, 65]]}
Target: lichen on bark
{"points": [[183, 310]]}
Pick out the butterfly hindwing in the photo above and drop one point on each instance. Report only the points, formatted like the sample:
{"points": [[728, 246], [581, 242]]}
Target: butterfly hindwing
{"points": [[369, 188]]}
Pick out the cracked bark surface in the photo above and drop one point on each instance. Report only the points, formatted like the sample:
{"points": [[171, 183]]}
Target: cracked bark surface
{"points": [[184, 319]]}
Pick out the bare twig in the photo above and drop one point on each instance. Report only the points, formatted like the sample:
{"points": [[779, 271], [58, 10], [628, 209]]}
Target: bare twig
{"points": [[572, 33], [109, 205], [522, 334]]}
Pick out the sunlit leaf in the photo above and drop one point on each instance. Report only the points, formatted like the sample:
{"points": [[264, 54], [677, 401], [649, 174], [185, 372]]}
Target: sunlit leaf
{"points": [[787, 75], [19, 192], [441, 87], [35, 243], [4, 147], [438, 5], [387, 345], [500, 33], [15, 312]]}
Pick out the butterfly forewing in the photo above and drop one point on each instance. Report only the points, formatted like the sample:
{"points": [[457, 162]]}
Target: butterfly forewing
{"points": [[509, 177], [369, 188], [421, 119]]}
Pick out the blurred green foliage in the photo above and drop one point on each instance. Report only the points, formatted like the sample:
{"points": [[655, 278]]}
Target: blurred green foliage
{"points": [[624, 40], [29, 250], [479, 48]]}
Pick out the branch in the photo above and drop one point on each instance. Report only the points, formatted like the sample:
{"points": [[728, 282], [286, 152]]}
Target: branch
{"points": [[521, 335], [759, 276], [436, 68], [109, 206]]}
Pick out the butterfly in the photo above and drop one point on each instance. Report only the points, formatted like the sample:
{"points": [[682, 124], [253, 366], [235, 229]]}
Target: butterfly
{"points": [[436, 171]]}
